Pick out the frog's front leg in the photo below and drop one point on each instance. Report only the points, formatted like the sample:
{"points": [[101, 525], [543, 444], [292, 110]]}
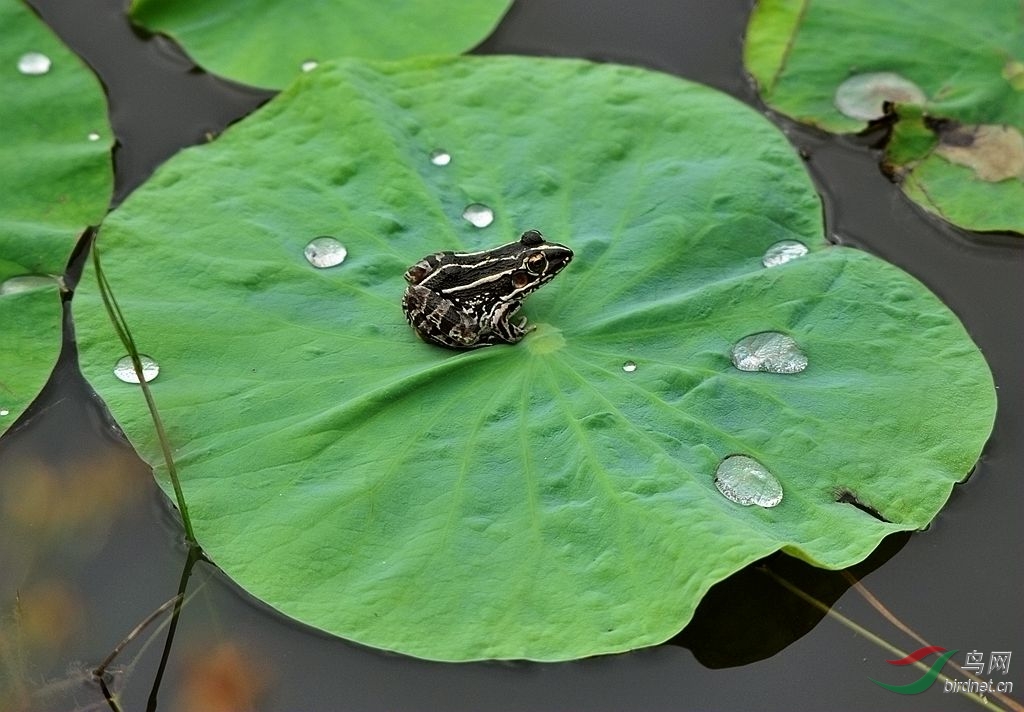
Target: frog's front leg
{"points": [[503, 330], [438, 320]]}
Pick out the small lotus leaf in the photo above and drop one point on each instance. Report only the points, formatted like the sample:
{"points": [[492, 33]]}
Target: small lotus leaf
{"points": [[268, 42], [56, 175], [953, 69]]}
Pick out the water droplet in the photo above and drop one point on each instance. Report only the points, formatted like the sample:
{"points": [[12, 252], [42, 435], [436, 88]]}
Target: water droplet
{"points": [[94, 136], [768, 351], [4, 411], [782, 252], [34, 63], [745, 481], [26, 283], [124, 370], [309, 65], [325, 251], [478, 215], [440, 157], [861, 96], [629, 366]]}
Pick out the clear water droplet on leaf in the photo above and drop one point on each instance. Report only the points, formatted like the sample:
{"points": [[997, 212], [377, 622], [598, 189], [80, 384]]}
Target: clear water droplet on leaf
{"points": [[309, 65], [440, 157], [93, 136], [862, 96], [325, 251], [34, 63], [26, 283], [125, 371], [478, 215], [629, 366], [769, 351], [782, 252], [746, 481]]}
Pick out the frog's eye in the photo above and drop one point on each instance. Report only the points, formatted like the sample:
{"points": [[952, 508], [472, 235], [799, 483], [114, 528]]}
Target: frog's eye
{"points": [[521, 279], [537, 263]]}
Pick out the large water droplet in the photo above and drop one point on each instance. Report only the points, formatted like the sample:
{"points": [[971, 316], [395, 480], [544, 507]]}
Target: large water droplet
{"points": [[34, 63], [862, 96], [4, 411], [745, 481], [478, 215], [629, 366], [26, 283], [309, 65], [768, 351], [440, 157], [782, 252], [93, 136], [124, 370], [325, 251]]}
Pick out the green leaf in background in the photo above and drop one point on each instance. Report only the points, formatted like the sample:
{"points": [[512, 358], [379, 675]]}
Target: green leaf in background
{"points": [[56, 175], [832, 63], [268, 42], [556, 498]]}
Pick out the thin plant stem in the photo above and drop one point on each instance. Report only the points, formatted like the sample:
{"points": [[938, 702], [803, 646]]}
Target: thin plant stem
{"points": [[194, 555], [102, 667], [109, 697], [124, 334], [891, 617], [865, 633], [179, 601]]}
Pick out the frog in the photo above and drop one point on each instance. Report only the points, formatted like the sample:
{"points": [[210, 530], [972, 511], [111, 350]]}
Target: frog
{"points": [[468, 300]]}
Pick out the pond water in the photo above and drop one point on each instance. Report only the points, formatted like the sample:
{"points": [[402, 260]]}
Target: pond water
{"points": [[93, 548]]}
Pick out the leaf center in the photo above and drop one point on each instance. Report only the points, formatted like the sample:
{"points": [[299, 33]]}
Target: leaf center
{"points": [[545, 339]]}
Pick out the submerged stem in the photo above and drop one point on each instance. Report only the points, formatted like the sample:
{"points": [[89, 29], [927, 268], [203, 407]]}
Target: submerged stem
{"points": [[194, 555], [864, 632], [102, 667], [891, 617]]}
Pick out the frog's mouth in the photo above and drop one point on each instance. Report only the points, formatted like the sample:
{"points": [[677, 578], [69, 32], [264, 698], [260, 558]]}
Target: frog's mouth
{"points": [[558, 257]]}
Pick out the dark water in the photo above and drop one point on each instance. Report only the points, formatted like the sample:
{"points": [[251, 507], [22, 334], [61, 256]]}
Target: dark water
{"points": [[93, 548]]}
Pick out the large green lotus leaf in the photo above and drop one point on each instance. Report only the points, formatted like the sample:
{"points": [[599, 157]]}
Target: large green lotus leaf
{"points": [[266, 42], [832, 63], [538, 500], [56, 175]]}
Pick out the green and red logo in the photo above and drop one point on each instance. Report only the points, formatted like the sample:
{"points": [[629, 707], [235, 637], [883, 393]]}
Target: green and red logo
{"points": [[925, 680]]}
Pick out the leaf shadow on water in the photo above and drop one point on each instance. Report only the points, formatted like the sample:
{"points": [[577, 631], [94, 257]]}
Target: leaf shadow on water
{"points": [[750, 617]]}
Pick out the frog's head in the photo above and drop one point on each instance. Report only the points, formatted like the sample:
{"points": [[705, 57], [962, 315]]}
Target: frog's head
{"points": [[539, 261]]}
